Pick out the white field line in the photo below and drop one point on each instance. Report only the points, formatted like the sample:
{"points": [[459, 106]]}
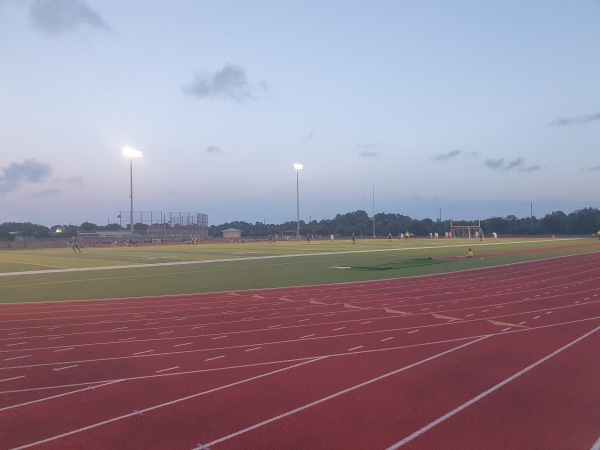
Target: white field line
{"points": [[61, 395], [465, 405], [337, 394], [252, 258], [162, 405]]}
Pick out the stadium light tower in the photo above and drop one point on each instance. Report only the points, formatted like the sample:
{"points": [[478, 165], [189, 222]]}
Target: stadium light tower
{"points": [[131, 153], [298, 168]]}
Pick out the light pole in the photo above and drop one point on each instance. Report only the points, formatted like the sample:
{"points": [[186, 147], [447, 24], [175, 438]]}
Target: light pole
{"points": [[131, 153], [298, 168]]}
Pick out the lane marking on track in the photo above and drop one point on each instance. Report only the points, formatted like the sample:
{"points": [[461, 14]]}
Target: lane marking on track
{"points": [[17, 357], [413, 331], [64, 349], [307, 336], [216, 357], [142, 353], [386, 339], [181, 345], [484, 394], [338, 329], [395, 311], [167, 370], [316, 302], [17, 343], [340, 393], [505, 324], [252, 349], [172, 402], [440, 316], [355, 348], [17, 332], [57, 337], [56, 369], [94, 386], [13, 378]]}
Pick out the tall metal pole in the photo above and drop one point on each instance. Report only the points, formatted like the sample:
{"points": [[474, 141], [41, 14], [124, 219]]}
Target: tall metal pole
{"points": [[131, 194], [297, 206], [373, 210]]}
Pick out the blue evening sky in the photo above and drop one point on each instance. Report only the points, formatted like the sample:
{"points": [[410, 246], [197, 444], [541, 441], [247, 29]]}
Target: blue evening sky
{"points": [[477, 108]]}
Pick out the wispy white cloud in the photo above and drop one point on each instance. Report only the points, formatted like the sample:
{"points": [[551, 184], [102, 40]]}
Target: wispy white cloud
{"points": [[369, 150], [578, 120], [29, 171], [213, 149], [62, 16], [452, 155], [518, 164], [229, 82]]}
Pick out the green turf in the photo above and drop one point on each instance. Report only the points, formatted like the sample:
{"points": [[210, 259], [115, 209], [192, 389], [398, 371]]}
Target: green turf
{"points": [[141, 271]]}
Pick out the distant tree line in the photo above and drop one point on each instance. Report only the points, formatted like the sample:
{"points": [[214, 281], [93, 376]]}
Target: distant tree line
{"points": [[581, 222]]}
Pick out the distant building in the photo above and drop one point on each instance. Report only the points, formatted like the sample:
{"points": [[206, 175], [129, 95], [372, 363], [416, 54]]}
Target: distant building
{"points": [[232, 234]]}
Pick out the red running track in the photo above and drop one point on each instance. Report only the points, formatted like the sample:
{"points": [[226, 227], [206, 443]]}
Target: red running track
{"points": [[498, 358]]}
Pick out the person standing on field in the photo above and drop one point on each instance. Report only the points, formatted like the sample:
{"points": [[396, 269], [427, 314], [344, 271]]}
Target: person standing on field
{"points": [[75, 245]]}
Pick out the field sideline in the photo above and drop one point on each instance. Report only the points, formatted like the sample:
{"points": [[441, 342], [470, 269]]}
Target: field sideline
{"points": [[116, 272]]}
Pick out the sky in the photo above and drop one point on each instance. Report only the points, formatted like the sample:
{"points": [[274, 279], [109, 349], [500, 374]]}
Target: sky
{"points": [[464, 109]]}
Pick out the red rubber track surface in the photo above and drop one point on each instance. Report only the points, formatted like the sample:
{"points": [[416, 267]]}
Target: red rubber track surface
{"points": [[497, 358]]}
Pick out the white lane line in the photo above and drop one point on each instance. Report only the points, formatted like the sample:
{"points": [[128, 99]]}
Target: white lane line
{"points": [[549, 312], [127, 339], [506, 329], [484, 394], [17, 357], [151, 323], [386, 339], [162, 405], [218, 337], [252, 349], [364, 323], [338, 329], [199, 327], [60, 395], [355, 348], [64, 349], [523, 323], [141, 353], [536, 317], [120, 328], [18, 343], [166, 332], [16, 332], [275, 326], [66, 367], [53, 328], [57, 337], [167, 370], [470, 315], [303, 320], [335, 395], [216, 357], [307, 336], [181, 345], [13, 378], [413, 331]]}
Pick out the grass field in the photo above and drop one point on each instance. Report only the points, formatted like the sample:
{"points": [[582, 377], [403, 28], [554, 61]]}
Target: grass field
{"points": [[117, 272]]}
